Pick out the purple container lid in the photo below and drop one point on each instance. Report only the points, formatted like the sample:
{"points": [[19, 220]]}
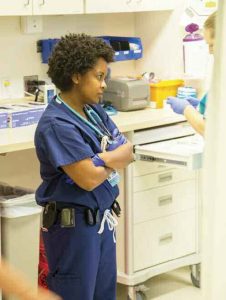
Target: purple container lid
{"points": [[191, 37]]}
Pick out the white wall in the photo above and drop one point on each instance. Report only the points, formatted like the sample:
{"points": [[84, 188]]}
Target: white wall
{"points": [[162, 41], [18, 51]]}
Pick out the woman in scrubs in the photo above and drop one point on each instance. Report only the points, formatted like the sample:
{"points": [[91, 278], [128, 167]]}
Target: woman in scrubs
{"points": [[187, 107], [79, 149]]}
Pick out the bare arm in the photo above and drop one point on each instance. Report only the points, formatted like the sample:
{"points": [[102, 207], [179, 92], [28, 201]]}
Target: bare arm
{"points": [[118, 158], [86, 175], [13, 283], [195, 119]]}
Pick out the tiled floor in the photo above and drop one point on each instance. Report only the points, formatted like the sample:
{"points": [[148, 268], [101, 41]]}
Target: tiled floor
{"points": [[174, 285]]}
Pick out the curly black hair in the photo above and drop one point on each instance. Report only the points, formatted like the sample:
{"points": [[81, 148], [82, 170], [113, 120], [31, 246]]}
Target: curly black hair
{"points": [[76, 54]]}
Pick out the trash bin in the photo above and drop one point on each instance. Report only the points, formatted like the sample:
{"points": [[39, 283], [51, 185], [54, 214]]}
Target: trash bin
{"points": [[20, 228]]}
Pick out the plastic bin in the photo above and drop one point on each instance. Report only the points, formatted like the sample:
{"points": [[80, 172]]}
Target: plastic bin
{"points": [[20, 227], [46, 46], [163, 89], [126, 48]]}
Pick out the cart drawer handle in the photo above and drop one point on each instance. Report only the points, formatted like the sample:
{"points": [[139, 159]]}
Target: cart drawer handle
{"points": [[166, 238], [165, 200], [165, 177]]}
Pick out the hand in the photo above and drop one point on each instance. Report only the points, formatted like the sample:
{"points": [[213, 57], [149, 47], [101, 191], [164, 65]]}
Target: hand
{"points": [[177, 105], [118, 140], [97, 161], [193, 101], [42, 294]]}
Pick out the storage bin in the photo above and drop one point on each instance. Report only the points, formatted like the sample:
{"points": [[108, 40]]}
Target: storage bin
{"points": [[20, 228], [46, 46], [163, 89], [126, 48]]}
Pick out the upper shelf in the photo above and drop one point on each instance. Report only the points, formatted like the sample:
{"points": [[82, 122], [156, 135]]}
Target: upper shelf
{"points": [[49, 7], [22, 138]]}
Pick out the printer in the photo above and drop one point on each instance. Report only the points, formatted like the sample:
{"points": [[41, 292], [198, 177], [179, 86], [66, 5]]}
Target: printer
{"points": [[127, 94]]}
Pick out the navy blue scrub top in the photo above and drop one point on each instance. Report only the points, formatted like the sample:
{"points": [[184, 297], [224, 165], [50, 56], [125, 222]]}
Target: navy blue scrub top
{"points": [[61, 139]]}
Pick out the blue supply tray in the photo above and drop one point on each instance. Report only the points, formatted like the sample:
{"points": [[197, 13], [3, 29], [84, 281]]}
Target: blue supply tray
{"points": [[46, 47], [123, 47], [126, 48]]}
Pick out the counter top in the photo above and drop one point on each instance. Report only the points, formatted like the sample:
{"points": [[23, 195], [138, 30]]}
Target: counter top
{"points": [[21, 138], [145, 118]]}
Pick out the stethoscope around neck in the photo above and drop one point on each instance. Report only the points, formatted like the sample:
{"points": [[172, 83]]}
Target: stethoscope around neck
{"points": [[95, 123]]}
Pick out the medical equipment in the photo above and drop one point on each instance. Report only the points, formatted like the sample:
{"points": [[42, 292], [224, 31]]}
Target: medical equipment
{"points": [[48, 92], [195, 52], [159, 229], [127, 94], [159, 91], [100, 129]]}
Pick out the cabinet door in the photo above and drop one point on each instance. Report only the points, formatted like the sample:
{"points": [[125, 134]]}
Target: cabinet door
{"points": [[107, 6], [53, 7], [152, 5], [16, 8]]}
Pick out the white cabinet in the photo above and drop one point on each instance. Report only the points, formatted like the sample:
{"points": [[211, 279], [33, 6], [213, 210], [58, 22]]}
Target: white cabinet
{"points": [[52, 7], [106, 6], [40, 7], [16, 8], [160, 224]]}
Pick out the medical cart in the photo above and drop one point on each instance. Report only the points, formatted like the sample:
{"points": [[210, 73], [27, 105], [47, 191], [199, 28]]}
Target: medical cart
{"points": [[159, 228]]}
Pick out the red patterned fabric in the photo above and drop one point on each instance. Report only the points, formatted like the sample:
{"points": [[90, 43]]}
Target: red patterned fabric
{"points": [[43, 268]]}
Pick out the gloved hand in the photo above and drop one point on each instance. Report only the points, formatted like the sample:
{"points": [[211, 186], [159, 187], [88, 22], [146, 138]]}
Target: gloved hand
{"points": [[193, 101], [177, 105], [97, 161], [118, 140]]}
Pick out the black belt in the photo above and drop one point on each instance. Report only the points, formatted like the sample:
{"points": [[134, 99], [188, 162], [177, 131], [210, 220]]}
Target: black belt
{"points": [[66, 211]]}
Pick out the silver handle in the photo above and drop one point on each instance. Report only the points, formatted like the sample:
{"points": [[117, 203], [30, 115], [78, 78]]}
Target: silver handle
{"points": [[42, 3], [166, 238], [27, 3], [165, 177], [165, 200]]}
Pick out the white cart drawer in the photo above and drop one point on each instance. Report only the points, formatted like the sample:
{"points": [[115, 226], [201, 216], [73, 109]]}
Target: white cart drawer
{"points": [[182, 152], [149, 181], [164, 239], [164, 201], [141, 168]]}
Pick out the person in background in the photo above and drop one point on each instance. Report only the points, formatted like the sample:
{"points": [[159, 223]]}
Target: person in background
{"points": [[188, 107], [79, 148], [13, 283]]}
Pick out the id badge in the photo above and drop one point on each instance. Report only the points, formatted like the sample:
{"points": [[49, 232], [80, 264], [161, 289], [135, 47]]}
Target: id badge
{"points": [[113, 178]]}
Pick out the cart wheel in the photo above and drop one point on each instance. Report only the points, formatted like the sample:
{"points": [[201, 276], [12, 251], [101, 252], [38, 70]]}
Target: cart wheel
{"points": [[140, 296], [195, 275]]}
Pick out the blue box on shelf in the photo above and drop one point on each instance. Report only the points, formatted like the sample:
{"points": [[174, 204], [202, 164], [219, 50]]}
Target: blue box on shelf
{"points": [[46, 47], [126, 48], [3, 119]]}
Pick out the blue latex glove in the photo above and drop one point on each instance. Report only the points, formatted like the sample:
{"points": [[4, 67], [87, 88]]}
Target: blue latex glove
{"points": [[177, 105], [193, 101], [97, 161], [118, 140]]}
